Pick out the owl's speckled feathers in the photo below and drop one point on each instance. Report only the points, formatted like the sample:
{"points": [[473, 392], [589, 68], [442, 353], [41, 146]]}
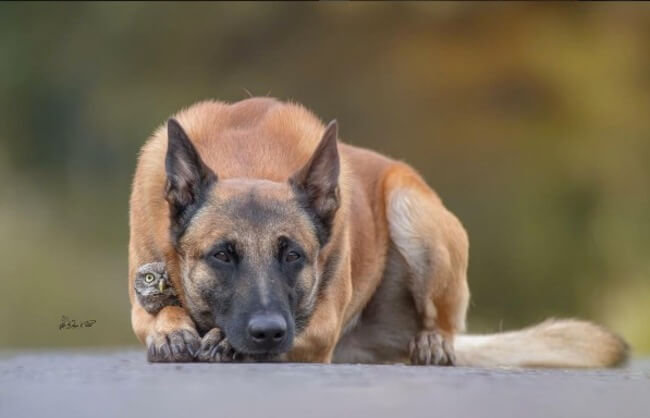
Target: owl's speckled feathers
{"points": [[153, 287]]}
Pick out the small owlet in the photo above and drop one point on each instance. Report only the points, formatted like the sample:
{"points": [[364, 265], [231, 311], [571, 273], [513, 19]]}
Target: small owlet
{"points": [[153, 287]]}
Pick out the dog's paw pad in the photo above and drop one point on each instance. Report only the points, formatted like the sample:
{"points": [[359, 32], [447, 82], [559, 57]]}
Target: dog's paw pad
{"points": [[431, 348]]}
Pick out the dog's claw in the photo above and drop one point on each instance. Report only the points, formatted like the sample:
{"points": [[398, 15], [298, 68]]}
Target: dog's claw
{"points": [[215, 348], [431, 348], [177, 346]]}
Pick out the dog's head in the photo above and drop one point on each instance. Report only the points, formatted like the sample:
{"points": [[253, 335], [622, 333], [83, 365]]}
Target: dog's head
{"points": [[248, 248]]}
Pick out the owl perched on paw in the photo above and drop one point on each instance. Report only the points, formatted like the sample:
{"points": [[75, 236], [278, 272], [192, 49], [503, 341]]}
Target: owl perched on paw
{"points": [[153, 287]]}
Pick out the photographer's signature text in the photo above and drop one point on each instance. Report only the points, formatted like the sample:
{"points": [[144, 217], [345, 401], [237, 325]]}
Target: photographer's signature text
{"points": [[67, 323]]}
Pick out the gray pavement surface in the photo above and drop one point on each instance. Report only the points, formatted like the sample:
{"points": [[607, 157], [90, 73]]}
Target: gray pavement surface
{"points": [[123, 384]]}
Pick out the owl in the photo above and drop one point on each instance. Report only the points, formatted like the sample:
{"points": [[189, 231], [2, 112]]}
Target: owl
{"points": [[153, 287]]}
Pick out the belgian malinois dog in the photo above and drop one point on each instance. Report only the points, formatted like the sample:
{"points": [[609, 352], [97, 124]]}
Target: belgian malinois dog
{"points": [[285, 244]]}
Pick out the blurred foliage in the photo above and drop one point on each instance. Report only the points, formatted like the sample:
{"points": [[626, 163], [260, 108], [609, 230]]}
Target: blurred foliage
{"points": [[530, 120]]}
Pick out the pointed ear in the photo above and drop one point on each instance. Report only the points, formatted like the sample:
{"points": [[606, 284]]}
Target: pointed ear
{"points": [[317, 182], [187, 175]]}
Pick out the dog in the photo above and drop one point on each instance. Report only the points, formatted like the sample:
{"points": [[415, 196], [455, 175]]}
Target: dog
{"points": [[286, 244]]}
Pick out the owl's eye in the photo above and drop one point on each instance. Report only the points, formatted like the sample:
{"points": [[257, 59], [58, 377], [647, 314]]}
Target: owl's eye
{"points": [[149, 277]]}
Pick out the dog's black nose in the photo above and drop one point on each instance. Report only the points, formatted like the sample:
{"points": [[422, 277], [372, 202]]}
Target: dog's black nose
{"points": [[267, 331]]}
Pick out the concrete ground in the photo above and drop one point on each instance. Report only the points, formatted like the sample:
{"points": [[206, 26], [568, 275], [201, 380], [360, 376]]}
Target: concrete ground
{"points": [[123, 384]]}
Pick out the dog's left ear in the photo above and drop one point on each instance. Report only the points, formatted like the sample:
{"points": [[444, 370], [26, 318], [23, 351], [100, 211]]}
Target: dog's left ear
{"points": [[318, 181]]}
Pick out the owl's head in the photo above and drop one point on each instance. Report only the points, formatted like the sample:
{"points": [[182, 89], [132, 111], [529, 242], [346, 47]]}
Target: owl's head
{"points": [[152, 279]]}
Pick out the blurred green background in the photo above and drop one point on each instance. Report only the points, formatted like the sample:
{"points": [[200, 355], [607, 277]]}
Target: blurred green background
{"points": [[530, 120]]}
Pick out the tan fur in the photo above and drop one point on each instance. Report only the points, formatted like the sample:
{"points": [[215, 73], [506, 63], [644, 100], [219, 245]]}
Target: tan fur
{"points": [[399, 292]]}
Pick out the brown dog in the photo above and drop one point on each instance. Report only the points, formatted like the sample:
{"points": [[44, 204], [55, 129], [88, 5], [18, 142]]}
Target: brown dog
{"points": [[286, 244]]}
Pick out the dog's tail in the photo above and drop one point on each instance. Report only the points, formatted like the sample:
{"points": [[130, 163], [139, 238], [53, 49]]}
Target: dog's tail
{"points": [[553, 343]]}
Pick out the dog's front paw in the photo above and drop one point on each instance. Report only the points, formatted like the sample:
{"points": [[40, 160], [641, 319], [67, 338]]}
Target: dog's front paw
{"points": [[431, 348], [215, 348], [177, 346]]}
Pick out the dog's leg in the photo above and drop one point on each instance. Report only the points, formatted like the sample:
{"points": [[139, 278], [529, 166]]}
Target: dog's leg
{"points": [[317, 342], [170, 335], [434, 246]]}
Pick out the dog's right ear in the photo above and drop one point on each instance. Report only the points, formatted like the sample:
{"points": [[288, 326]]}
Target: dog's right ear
{"points": [[187, 175]]}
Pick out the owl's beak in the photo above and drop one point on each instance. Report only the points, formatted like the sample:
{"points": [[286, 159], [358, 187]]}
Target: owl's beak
{"points": [[161, 286]]}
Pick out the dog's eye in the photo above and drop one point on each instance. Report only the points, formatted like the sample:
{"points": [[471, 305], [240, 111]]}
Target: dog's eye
{"points": [[292, 256], [222, 256], [149, 277]]}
